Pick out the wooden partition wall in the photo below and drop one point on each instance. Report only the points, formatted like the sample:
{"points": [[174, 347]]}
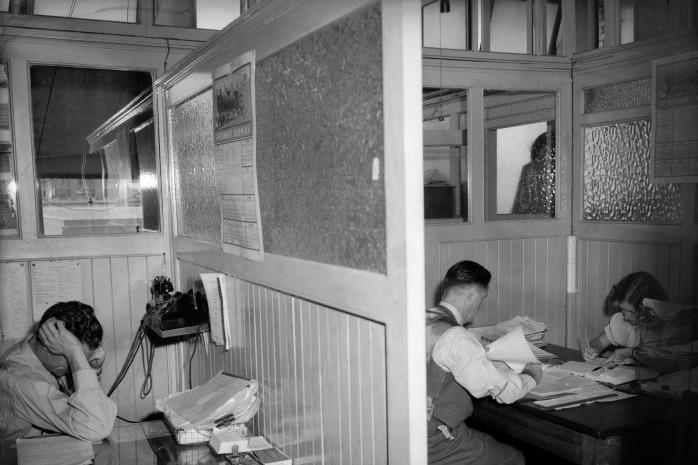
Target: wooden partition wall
{"points": [[528, 278], [321, 372], [331, 321]]}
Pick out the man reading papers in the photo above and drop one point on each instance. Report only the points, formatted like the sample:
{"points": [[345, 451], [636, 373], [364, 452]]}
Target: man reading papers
{"points": [[458, 367]]}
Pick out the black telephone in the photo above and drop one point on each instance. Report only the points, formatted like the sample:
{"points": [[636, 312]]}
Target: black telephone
{"points": [[178, 313]]}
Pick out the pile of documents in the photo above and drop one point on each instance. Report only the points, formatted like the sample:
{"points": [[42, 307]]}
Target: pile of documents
{"points": [[534, 331], [224, 401], [575, 383]]}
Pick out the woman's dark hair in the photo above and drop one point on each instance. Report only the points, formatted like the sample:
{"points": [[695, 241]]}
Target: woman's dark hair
{"points": [[634, 288], [79, 319], [467, 272]]}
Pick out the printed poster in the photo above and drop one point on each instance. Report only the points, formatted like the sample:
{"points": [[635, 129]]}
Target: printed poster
{"points": [[15, 311], [675, 119], [236, 158]]}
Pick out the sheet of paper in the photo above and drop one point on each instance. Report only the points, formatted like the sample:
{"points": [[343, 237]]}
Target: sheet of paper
{"points": [[512, 349], [552, 385], [225, 309], [583, 395], [621, 374], [54, 281], [216, 309], [580, 368], [15, 312]]}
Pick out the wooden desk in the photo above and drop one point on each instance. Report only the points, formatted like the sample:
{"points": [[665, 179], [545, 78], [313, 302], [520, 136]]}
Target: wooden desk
{"points": [[147, 443], [641, 429]]}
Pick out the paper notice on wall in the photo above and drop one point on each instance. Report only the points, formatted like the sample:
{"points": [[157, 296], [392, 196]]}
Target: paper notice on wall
{"points": [[235, 157], [15, 311], [216, 291], [54, 281]]}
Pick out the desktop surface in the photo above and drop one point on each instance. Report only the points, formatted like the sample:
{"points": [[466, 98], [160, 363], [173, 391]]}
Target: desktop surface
{"points": [[637, 430], [147, 443]]}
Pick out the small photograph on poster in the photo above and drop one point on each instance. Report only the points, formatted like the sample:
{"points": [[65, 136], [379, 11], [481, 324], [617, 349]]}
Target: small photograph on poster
{"points": [[233, 105]]}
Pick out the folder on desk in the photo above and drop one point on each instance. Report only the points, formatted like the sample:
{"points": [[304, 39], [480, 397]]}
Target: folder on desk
{"points": [[53, 449], [584, 395]]}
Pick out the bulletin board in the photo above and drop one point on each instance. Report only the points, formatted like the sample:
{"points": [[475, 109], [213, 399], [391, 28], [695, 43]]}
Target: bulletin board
{"points": [[675, 119], [319, 104]]}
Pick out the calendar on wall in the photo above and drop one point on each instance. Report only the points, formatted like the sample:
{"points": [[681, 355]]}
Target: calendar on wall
{"points": [[235, 158], [675, 119]]}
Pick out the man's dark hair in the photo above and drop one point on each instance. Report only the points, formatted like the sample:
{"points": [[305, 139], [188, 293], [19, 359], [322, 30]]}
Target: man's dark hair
{"points": [[79, 319], [467, 272]]}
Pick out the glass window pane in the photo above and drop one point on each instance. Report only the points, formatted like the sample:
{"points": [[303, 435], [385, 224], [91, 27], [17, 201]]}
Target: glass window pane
{"points": [[445, 153], [617, 181], [520, 154], [8, 186], [554, 33], [124, 11], [201, 14], [627, 21], [445, 26], [86, 191], [509, 26]]}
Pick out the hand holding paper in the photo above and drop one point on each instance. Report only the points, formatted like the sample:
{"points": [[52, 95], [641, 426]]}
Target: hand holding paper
{"points": [[512, 349]]}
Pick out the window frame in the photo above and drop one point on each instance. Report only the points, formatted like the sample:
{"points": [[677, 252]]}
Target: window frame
{"points": [[13, 157]]}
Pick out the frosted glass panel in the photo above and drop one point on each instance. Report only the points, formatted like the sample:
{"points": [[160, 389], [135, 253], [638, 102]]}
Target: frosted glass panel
{"points": [[617, 96], [191, 126], [617, 177]]}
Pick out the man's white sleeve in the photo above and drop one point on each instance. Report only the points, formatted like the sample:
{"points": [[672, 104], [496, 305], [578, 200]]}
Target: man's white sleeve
{"points": [[461, 353]]}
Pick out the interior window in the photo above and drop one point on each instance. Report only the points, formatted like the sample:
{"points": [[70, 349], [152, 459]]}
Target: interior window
{"points": [[84, 190], [445, 24], [201, 14], [445, 153], [8, 186], [124, 11], [520, 154], [509, 26]]}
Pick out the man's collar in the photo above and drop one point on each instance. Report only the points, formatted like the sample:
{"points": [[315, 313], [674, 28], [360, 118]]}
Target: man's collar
{"points": [[453, 310]]}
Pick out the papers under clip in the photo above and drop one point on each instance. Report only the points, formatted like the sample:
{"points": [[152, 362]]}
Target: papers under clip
{"points": [[217, 297], [223, 396]]}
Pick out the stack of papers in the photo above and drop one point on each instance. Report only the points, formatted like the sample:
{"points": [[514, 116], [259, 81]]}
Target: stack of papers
{"points": [[533, 330], [223, 396], [587, 394], [512, 349], [556, 382], [216, 291]]}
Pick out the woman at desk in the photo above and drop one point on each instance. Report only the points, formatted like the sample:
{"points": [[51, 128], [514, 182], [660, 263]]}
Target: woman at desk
{"points": [[631, 326]]}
